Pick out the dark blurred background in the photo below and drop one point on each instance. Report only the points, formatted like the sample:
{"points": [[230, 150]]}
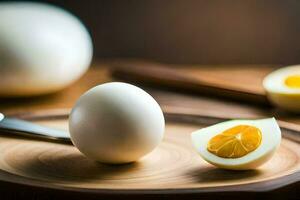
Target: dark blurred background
{"points": [[193, 31]]}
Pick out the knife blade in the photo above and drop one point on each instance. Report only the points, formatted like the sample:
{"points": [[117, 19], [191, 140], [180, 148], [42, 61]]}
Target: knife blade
{"points": [[25, 128]]}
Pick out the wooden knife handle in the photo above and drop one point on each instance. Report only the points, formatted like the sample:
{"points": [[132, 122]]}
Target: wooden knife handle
{"points": [[159, 75]]}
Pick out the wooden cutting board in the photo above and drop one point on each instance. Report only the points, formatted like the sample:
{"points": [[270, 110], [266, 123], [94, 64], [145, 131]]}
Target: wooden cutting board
{"points": [[43, 169], [237, 82]]}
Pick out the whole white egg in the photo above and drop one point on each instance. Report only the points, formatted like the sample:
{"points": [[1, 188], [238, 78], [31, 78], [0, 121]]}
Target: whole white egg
{"points": [[43, 48], [116, 123]]}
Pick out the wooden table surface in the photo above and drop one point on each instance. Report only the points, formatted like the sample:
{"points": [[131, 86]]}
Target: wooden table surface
{"points": [[100, 73]]}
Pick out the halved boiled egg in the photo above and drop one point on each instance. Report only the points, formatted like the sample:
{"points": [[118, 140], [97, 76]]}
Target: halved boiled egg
{"points": [[238, 144], [283, 87]]}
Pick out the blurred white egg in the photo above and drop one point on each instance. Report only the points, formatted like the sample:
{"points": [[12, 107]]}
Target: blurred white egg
{"points": [[43, 49], [116, 123], [283, 88]]}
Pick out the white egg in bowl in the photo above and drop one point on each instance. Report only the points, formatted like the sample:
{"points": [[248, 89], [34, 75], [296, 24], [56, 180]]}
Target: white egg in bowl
{"points": [[238, 144], [283, 88]]}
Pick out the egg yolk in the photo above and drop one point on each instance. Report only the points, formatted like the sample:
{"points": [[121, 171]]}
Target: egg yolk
{"points": [[293, 81], [235, 142]]}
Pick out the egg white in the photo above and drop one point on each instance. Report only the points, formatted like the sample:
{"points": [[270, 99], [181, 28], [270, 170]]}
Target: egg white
{"points": [[275, 81], [271, 137], [279, 93]]}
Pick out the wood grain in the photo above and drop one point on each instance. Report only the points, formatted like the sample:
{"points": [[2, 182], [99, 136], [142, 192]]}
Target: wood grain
{"points": [[173, 168]]}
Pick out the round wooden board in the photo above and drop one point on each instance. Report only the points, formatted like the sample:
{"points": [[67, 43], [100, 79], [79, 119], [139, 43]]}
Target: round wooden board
{"points": [[173, 167]]}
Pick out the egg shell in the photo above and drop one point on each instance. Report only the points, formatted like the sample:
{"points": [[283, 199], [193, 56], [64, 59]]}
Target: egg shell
{"points": [[271, 137], [278, 93], [43, 48], [116, 123]]}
